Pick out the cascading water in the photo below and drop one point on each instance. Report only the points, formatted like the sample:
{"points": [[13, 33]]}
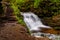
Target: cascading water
{"points": [[33, 22]]}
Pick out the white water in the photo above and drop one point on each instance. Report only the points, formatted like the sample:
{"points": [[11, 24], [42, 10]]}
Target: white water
{"points": [[32, 21]]}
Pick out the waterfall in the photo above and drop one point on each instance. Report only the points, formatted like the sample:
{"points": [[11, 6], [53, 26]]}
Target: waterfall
{"points": [[32, 21]]}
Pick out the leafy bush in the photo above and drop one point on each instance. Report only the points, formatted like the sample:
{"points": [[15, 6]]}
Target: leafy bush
{"points": [[47, 8], [36, 3]]}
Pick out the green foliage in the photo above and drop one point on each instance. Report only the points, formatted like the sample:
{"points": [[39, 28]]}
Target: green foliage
{"points": [[36, 3], [20, 1], [14, 5], [48, 8], [55, 1], [17, 14], [25, 7]]}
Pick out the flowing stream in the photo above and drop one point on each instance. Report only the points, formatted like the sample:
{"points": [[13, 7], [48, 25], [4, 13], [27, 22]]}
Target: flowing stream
{"points": [[33, 22]]}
